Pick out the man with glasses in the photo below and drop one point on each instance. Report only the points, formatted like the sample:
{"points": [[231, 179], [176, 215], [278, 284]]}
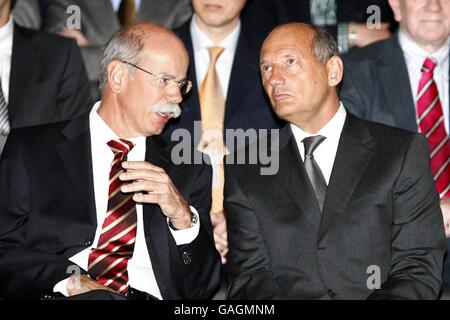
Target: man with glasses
{"points": [[94, 208]]}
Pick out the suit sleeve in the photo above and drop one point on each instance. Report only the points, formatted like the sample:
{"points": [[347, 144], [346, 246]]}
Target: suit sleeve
{"points": [[418, 237], [73, 97], [198, 261], [25, 272], [248, 263]]}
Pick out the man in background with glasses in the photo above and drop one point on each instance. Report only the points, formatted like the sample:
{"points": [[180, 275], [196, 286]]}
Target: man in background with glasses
{"points": [[94, 208]]}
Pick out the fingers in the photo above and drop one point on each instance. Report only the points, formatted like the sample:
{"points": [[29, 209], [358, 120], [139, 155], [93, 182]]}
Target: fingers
{"points": [[152, 187], [136, 165]]}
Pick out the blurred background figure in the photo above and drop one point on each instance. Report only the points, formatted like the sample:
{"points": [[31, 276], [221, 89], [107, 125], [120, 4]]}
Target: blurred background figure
{"points": [[101, 18], [28, 13], [344, 19], [42, 76]]}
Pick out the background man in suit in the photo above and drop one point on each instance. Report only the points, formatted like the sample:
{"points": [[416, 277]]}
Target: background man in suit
{"points": [[349, 197], [101, 18], [227, 92], [96, 194], [382, 84], [42, 77]]}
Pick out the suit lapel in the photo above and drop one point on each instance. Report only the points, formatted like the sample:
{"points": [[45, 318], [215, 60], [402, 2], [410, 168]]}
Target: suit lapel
{"points": [[155, 222], [356, 149], [244, 64], [75, 154], [23, 66], [191, 104], [395, 79], [294, 179]]}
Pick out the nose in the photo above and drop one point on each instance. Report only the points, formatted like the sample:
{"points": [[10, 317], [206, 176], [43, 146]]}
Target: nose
{"points": [[174, 95], [276, 78], [434, 5]]}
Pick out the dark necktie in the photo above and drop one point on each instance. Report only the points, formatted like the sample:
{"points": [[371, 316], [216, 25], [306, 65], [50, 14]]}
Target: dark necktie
{"points": [[109, 261], [4, 120], [430, 118], [312, 168], [127, 12]]}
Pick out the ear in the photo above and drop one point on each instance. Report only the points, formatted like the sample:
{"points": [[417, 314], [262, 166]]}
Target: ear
{"points": [[335, 70], [395, 6], [116, 75]]}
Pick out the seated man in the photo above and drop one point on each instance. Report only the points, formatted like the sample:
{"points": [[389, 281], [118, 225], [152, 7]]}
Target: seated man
{"points": [[99, 196], [352, 211]]}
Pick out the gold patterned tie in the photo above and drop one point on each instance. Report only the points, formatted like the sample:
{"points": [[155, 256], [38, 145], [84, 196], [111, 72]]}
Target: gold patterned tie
{"points": [[212, 109], [127, 12]]}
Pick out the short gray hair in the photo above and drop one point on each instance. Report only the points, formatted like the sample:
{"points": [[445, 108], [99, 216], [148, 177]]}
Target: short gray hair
{"points": [[323, 45], [124, 46]]}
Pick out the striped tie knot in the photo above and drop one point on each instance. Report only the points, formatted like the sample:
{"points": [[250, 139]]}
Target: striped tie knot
{"points": [[120, 146], [429, 65]]}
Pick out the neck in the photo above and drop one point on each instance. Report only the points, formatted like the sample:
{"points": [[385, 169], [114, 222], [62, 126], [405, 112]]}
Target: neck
{"points": [[217, 34], [428, 47], [314, 122], [112, 114], [5, 13]]}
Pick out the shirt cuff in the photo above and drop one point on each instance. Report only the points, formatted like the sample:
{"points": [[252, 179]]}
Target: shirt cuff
{"points": [[61, 287], [188, 235]]}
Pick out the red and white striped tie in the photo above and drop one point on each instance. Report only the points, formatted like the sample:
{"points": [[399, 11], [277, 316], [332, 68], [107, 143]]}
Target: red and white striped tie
{"points": [[108, 262], [430, 120]]}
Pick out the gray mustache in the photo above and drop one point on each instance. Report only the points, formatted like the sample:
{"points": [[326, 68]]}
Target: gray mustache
{"points": [[167, 107]]}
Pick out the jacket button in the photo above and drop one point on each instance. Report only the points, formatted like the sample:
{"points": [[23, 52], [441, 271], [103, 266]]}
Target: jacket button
{"points": [[186, 257], [87, 243]]}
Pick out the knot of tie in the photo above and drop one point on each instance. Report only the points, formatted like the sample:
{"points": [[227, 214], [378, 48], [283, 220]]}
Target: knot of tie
{"points": [[120, 146], [429, 65], [311, 143], [214, 53]]}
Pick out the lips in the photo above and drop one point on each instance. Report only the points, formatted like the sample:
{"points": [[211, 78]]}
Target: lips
{"points": [[165, 116], [281, 96], [213, 7]]}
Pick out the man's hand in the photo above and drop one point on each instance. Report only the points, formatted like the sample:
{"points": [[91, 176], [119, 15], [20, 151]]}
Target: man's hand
{"points": [[220, 234], [153, 185], [81, 284], [75, 34], [445, 207], [367, 36]]}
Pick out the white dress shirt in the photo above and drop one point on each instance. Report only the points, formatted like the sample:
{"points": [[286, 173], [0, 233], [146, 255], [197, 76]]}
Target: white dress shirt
{"points": [[415, 57], [325, 152], [6, 43], [116, 4], [201, 43], [140, 270]]}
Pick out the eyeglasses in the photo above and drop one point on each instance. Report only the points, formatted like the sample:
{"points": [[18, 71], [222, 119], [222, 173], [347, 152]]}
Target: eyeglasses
{"points": [[165, 81]]}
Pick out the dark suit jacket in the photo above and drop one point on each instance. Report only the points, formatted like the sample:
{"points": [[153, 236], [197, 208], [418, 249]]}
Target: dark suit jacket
{"points": [[247, 106], [48, 81], [376, 85], [381, 209], [267, 14], [47, 214]]}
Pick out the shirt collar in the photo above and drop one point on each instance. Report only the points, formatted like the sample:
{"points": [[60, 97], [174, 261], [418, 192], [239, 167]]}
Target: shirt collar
{"points": [[201, 41], [412, 49], [6, 31], [331, 130], [101, 133]]}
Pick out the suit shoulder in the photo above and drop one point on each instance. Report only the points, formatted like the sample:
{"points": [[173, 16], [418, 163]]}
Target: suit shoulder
{"points": [[38, 134], [48, 42], [390, 134], [368, 53]]}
